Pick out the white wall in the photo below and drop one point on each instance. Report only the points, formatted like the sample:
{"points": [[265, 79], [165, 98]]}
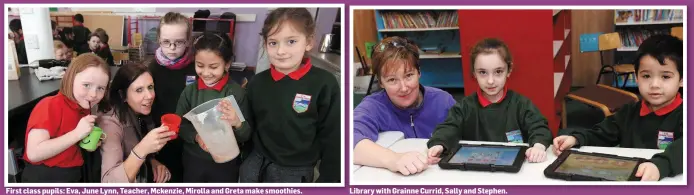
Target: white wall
{"points": [[38, 35]]}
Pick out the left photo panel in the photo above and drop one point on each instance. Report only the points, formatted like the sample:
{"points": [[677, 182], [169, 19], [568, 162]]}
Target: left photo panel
{"points": [[224, 94]]}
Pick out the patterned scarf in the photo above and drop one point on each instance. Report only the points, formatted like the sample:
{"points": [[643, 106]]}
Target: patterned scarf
{"points": [[174, 64]]}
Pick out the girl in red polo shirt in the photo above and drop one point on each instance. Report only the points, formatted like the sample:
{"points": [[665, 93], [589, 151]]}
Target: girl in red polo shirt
{"points": [[59, 122]]}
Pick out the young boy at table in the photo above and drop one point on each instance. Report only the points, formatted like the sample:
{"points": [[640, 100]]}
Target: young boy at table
{"points": [[494, 113], [655, 122]]}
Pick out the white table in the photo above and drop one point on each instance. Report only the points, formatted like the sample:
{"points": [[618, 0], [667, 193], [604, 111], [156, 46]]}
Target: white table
{"points": [[385, 139], [530, 173]]}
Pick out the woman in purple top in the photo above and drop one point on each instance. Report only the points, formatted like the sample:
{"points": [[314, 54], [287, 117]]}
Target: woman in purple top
{"points": [[404, 106]]}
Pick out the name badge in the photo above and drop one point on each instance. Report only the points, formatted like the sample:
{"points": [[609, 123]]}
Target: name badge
{"points": [[514, 136]]}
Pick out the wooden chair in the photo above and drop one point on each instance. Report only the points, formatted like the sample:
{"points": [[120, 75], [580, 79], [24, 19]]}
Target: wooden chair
{"points": [[677, 32], [119, 58], [607, 42], [608, 99]]}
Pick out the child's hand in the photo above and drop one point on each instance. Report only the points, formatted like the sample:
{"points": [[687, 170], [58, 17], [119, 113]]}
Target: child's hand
{"points": [[434, 153], [537, 153], [229, 114], [562, 143], [201, 143], [648, 172], [408, 163], [85, 126]]}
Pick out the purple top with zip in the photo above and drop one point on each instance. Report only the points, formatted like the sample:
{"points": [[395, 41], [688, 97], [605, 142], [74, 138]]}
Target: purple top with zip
{"points": [[376, 113]]}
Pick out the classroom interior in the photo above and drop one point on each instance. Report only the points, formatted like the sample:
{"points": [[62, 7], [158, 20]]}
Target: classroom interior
{"points": [[133, 34], [587, 48]]}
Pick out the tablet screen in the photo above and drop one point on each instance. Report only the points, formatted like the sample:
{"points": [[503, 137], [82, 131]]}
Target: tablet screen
{"points": [[486, 155], [596, 166]]}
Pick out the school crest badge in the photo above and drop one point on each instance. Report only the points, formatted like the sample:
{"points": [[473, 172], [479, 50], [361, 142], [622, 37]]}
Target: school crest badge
{"points": [[665, 139], [190, 79], [301, 103]]}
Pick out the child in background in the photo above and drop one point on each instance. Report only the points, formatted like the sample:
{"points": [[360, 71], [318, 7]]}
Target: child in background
{"points": [[213, 55], [294, 108], [98, 44], [17, 35], [61, 51], [54, 27], [655, 122], [172, 70], [494, 113], [59, 122], [81, 34], [67, 38]]}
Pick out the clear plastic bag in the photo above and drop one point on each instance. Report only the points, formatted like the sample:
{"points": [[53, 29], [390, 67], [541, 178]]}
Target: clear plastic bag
{"points": [[217, 134]]}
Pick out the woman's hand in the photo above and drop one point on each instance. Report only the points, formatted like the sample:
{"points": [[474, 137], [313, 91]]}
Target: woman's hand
{"points": [[161, 173], [154, 140]]}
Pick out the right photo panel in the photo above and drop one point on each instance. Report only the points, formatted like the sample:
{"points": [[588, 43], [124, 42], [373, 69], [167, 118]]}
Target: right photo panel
{"points": [[504, 95]]}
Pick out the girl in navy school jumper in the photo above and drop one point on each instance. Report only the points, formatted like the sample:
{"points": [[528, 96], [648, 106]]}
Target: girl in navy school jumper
{"points": [[172, 70], [494, 113], [294, 108], [213, 54]]}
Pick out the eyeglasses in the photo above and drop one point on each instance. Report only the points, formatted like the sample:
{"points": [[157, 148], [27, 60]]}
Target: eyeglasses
{"points": [[398, 43], [177, 43]]}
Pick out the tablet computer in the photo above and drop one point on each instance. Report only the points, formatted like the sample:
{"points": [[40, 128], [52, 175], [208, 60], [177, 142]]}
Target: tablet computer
{"points": [[575, 165], [485, 158]]}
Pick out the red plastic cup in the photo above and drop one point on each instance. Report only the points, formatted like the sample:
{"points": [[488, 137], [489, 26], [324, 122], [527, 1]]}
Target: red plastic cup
{"points": [[172, 121]]}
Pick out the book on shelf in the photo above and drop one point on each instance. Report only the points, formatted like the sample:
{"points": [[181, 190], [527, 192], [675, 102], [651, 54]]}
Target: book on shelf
{"points": [[431, 50], [634, 37], [628, 16], [424, 19]]}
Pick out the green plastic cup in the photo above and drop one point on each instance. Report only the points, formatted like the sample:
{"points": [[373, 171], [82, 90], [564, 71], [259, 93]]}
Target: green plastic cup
{"points": [[90, 142]]}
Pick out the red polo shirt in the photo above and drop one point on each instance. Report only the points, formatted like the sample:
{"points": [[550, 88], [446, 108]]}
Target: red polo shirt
{"points": [[58, 115], [662, 111]]}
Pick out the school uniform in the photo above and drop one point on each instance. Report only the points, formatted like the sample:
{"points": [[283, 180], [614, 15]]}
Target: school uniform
{"points": [[105, 53], [82, 35], [636, 126], [168, 85], [513, 119], [670, 161], [21, 51], [198, 165], [296, 122], [58, 115]]}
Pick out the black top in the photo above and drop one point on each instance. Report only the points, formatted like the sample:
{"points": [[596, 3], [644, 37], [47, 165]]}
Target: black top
{"points": [[469, 120], [297, 122]]}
